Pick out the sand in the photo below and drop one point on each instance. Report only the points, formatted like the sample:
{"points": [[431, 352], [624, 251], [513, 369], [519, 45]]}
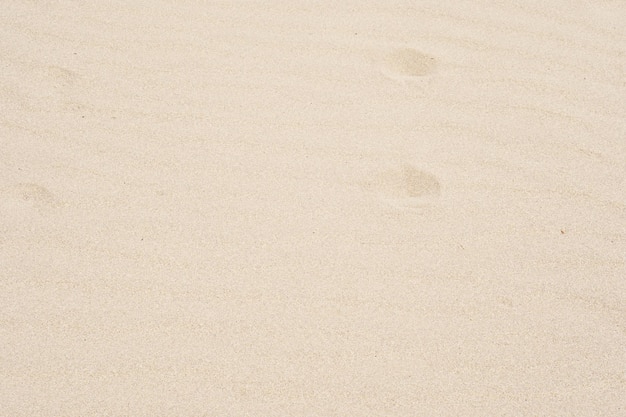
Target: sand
{"points": [[375, 208]]}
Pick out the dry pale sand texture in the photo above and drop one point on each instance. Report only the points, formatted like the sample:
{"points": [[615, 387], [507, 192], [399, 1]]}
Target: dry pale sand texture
{"points": [[374, 208]]}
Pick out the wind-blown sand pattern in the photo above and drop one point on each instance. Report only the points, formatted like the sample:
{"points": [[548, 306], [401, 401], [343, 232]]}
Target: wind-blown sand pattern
{"points": [[382, 208]]}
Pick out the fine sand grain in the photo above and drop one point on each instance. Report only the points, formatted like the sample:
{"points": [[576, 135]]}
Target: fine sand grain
{"points": [[376, 208]]}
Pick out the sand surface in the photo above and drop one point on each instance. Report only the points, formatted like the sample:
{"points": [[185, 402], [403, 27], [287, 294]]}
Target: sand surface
{"points": [[297, 208]]}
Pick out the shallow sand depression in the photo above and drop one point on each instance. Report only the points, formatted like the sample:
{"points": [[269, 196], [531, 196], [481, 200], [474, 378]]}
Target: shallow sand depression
{"points": [[389, 208], [410, 62]]}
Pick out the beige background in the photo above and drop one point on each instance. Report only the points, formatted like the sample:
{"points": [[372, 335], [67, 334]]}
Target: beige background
{"points": [[373, 208]]}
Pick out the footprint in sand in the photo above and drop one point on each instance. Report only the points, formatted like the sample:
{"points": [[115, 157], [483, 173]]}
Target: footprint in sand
{"points": [[62, 76], [410, 63], [405, 187], [25, 195]]}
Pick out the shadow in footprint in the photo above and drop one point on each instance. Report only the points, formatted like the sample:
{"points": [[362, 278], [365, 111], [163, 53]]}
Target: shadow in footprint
{"points": [[404, 187], [29, 194], [411, 63]]}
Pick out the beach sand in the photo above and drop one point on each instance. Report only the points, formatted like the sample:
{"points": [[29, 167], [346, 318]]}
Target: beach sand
{"points": [[376, 208]]}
